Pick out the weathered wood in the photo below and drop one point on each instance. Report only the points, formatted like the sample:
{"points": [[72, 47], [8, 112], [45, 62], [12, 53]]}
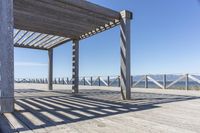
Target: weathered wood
{"points": [[56, 10], [50, 73], [75, 66], [194, 78], [186, 82], [62, 16], [6, 57], [59, 43], [125, 48], [30, 47], [174, 82], [103, 81], [59, 112], [155, 82], [146, 81], [141, 79], [164, 81]]}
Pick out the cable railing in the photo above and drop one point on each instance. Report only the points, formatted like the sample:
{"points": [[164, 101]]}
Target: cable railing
{"points": [[163, 81]]}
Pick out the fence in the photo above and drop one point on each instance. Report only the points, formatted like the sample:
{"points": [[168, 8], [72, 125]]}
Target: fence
{"points": [[164, 81]]}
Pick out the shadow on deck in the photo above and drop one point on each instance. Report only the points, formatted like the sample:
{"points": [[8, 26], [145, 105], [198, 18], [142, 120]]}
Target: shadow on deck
{"points": [[37, 109]]}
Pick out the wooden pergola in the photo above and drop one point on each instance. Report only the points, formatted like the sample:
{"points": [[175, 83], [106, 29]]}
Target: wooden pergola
{"points": [[46, 24]]}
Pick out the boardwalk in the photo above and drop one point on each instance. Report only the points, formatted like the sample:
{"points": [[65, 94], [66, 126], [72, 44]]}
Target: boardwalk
{"points": [[99, 109]]}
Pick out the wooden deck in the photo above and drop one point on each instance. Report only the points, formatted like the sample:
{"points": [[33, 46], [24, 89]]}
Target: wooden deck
{"points": [[99, 109]]}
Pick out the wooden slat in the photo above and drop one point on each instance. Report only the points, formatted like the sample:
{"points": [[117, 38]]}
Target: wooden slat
{"points": [[60, 11], [31, 47], [41, 25]]}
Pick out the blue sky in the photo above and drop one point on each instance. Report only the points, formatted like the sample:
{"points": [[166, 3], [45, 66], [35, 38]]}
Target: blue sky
{"points": [[165, 39]]}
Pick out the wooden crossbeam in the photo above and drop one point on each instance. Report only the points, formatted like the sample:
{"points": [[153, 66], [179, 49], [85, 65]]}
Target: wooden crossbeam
{"points": [[174, 82], [142, 78], [194, 78], [154, 81], [103, 81]]}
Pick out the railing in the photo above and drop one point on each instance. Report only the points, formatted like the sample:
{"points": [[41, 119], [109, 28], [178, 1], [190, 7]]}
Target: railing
{"points": [[164, 81]]}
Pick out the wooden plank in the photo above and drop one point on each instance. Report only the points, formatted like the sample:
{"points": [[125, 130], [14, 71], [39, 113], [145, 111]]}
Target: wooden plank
{"points": [[17, 124], [58, 10], [41, 25]]}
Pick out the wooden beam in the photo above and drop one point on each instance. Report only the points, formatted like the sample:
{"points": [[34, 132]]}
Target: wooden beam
{"points": [[6, 57]]}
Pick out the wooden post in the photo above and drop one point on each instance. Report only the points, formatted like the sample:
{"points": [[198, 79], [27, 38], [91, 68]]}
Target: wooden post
{"points": [[75, 66], [84, 81], [125, 46], [164, 81], [131, 81], [91, 80], [67, 80], [6, 57], [50, 74], [99, 81], [108, 81], [119, 84], [146, 81], [186, 82]]}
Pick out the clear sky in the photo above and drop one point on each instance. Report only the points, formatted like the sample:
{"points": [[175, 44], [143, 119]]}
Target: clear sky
{"points": [[165, 39]]}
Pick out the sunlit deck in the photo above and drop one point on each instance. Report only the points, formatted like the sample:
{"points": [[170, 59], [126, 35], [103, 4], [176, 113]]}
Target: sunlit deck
{"points": [[100, 109]]}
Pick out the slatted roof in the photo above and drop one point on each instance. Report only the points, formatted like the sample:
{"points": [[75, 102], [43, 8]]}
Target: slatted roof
{"points": [[45, 24]]}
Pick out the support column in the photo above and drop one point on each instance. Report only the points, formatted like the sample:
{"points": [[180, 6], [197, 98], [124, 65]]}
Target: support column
{"points": [[50, 73], [75, 66], [6, 57], [125, 49]]}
